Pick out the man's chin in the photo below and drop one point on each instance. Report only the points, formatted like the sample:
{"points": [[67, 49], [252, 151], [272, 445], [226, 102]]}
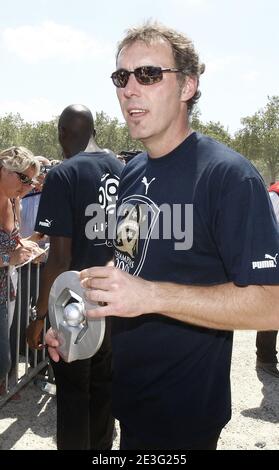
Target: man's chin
{"points": [[137, 137], [137, 134]]}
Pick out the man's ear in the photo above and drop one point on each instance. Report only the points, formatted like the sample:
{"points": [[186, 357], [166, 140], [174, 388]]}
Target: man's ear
{"points": [[189, 88]]}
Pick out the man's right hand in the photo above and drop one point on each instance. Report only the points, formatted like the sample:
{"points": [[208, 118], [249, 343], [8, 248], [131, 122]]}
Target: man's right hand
{"points": [[34, 333], [53, 343]]}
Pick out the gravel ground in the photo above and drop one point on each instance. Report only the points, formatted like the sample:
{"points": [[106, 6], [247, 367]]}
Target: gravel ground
{"points": [[30, 422]]}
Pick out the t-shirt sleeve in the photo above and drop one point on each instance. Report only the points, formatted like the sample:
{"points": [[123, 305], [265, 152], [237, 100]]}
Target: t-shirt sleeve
{"points": [[55, 214], [247, 235]]}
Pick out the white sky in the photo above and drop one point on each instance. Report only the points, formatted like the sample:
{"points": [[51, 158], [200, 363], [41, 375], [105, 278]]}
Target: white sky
{"points": [[57, 52]]}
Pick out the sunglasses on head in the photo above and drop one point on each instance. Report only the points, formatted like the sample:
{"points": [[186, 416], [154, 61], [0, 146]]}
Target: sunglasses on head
{"points": [[145, 75], [24, 179]]}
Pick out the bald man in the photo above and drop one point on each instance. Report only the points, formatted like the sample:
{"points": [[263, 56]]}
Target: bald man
{"points": [[84, 419]]}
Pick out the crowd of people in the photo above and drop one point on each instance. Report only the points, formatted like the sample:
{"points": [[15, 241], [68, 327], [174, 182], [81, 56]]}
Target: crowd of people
{"points": [[193, 257]]}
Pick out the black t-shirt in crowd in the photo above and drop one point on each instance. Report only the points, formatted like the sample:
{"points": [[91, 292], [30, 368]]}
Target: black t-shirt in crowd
{"points": [[171, 379], [68, 205]]}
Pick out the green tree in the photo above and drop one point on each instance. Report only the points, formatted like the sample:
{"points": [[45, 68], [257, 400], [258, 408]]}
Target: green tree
{"points": [[213, 129], [41, 138], [258, 140], [114, 135], [10, 130]]}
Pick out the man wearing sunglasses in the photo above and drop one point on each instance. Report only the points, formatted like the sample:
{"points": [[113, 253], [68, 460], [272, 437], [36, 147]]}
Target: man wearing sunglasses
{"points": [[194, 224]]}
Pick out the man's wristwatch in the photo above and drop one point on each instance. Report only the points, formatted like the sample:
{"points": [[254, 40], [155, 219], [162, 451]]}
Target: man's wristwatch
{"points": [[5, 259], [34, 314]]}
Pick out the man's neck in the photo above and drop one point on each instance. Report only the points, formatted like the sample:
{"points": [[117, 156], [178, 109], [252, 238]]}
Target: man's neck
{"points": [[160, 148], [92, 146]]}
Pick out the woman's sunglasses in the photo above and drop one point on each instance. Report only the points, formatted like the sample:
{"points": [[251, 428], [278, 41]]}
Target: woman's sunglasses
{"points": [[25, 179], [145, 75]]}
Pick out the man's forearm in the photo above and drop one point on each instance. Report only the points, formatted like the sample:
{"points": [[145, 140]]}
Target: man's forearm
{"points": [[225, 306], [222, 307]]}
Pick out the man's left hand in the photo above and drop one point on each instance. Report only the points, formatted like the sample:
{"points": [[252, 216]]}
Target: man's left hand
{"points": [[122, 294]]}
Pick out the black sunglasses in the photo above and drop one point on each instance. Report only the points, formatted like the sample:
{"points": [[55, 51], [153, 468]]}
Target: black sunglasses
{"points": [[145, 75], [24, 178]]}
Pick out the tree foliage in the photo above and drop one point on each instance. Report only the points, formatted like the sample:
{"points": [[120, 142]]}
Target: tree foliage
{"points": [[113, 135], [10, 130], [40, 137], [213, 129], [258, 140]]}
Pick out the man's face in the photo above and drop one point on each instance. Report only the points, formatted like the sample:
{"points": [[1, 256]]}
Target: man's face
{"points": [[154, 113]]}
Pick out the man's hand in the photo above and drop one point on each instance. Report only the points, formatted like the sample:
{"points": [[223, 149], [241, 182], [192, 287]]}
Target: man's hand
{"points": [[53, 343], [123, 294], [34, 334]]}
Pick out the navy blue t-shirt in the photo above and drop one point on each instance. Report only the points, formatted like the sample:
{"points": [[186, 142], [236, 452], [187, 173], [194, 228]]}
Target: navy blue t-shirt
{"points": [[201, 216], [66, 209]]}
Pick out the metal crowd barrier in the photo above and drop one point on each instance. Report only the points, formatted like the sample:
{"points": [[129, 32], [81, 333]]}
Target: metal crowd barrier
{"points": [[22, 372]]}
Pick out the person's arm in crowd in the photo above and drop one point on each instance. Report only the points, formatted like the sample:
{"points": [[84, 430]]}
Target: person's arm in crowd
{"points": [[37, 237], [58, 261], [24, 251], [19, 256], [224, 306]]}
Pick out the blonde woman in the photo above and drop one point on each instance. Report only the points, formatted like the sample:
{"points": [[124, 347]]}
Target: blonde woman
{"points": [[18, 170]]}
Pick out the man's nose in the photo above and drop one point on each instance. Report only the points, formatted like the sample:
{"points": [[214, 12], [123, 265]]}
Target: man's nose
{"points": [[132, 87]]}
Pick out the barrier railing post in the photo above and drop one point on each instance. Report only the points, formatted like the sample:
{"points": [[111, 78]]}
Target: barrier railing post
{"points": [[29, 372]]}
